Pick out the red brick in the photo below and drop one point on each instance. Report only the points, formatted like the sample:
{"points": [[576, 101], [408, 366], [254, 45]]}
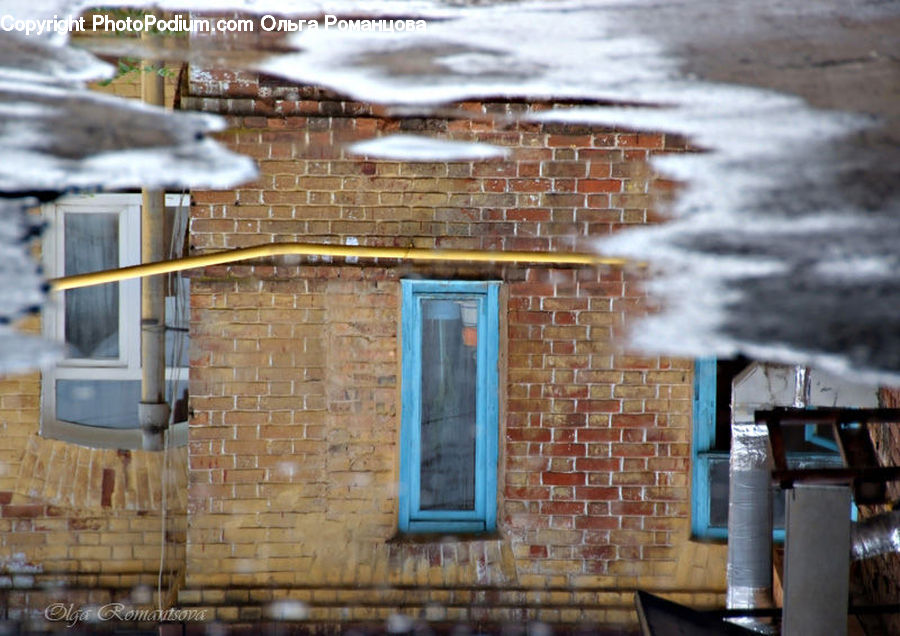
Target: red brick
{"points": [[651, 140], [529, 185], [592, 493], [599, 435], [599, 185], [562, 507], [538, 551], [601, 464], [528, 493], [22, 511], [562, 479], [571, 141], [598, 406], [568, 450], [631, 508], [528, 434], [596, 523], [530, 317]]}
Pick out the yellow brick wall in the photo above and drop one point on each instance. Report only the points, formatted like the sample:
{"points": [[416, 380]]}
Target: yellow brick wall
{"points": [[57, 526], [293, 487], [295, 376]]}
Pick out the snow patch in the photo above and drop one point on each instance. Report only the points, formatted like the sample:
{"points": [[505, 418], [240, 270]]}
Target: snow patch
{"points": [[414, 148]]}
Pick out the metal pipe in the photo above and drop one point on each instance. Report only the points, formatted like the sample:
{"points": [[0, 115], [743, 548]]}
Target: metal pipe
{"points": [[749, 566], [339, 251], [801, 387], [878, 535], [153, 410]]}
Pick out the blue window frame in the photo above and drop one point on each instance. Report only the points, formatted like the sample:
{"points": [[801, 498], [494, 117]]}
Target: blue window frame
{"points": [[707, 461], [711, 444], [449, 424]]}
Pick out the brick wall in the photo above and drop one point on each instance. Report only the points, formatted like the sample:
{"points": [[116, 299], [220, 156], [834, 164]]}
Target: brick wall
{"points": [[81, 525], [295, 375]]}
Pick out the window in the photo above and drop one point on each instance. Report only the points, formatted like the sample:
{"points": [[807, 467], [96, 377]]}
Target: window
{"points": [[91, 396], [448, 457], [809, 445]]}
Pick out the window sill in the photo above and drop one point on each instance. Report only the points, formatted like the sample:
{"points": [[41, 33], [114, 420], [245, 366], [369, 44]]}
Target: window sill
{"points": [[443, 537]]}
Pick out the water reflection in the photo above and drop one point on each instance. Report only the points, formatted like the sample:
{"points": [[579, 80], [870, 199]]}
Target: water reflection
{"points": [[56, 136], [783, 244], [743, 268], [287, 610]]}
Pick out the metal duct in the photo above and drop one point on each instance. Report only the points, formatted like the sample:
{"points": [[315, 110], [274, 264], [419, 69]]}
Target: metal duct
{"points": [[878, 535], [749, 571], [801, 387]]}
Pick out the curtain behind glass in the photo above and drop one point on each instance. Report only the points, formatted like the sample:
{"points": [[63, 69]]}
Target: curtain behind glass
{"points": [[92, 313]]}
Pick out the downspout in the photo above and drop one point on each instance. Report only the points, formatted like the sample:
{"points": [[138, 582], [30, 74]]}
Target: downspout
{"points": [[153, 410], [749, 567], [749, 570]]}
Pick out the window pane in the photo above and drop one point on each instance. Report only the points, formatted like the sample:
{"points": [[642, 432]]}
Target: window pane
{"points": [[718, 492], [103, 403], [109, 403], [449, 339], [92, 313]]}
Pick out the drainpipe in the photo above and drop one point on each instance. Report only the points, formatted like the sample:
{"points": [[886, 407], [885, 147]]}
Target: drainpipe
{"points": [[153, 410], [749, 568]]}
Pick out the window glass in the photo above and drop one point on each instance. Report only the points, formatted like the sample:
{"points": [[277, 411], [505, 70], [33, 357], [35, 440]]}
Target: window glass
{"points": [[718, 492], [91, 243], [103, 403], [110, 403], [448, 406]]}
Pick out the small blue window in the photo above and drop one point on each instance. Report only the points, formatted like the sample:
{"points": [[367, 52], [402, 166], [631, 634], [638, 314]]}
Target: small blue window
{"points": [[809, 445], [709, 492], [448, 457]]}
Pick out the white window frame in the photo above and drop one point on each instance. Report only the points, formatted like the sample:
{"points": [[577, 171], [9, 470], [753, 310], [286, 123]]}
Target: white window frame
{"points": [[128, 365]]}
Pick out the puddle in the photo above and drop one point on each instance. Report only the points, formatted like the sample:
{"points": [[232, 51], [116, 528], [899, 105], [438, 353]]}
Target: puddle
{"points": [[772, 245]]}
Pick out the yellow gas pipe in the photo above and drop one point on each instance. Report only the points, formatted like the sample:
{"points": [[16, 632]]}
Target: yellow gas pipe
{"points": [[341, 251]]}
